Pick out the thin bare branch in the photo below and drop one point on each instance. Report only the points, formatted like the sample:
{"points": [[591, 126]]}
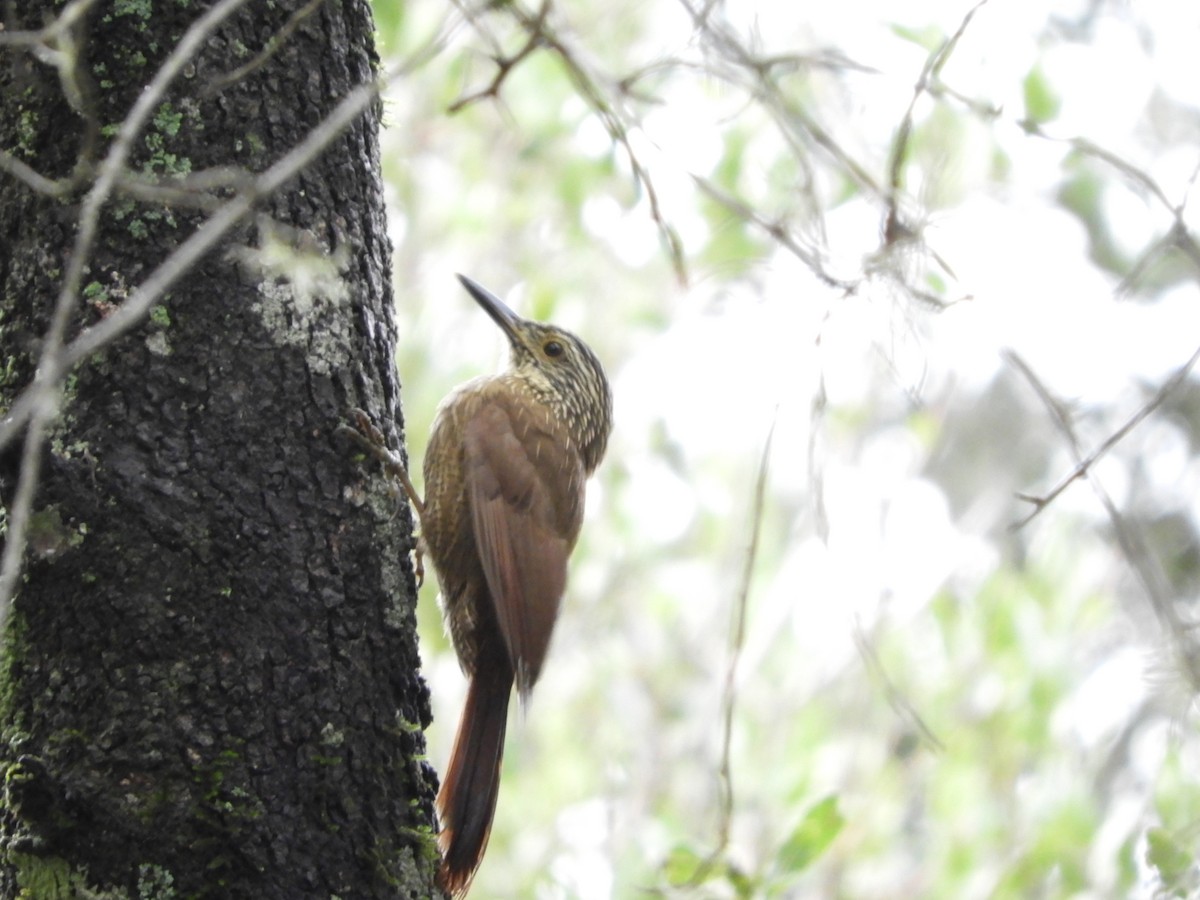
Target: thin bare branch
{"points": [[893, 226], [616, 122], [777, 231], [60, 46], [1128, 169], [195, 190], [1143, 263], [755, 73], [981, 108], [19, 511], [1134, 548], [615, 125], [506, 64], [71, 15], [737, 641], [1085, 463], [895, 697], [33, 178], [1182, 238], [1179, 235]]}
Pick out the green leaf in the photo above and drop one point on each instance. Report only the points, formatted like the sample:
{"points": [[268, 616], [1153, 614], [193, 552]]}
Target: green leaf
{"points": [[930, 37], [682, 865], [1165, 855], [1041, 102], [728, 172], [816, 831], [390, 24]]}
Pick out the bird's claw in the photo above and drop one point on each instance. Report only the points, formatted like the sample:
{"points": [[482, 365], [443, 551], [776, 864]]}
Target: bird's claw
{"points": [[370, 439], [419, 561]]}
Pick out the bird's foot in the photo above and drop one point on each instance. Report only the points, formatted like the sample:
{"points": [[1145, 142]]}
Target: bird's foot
{"points": [[371, 440]]}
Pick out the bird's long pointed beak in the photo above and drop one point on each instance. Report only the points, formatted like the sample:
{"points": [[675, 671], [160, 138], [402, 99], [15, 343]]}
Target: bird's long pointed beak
{"points": [[495, 307]]}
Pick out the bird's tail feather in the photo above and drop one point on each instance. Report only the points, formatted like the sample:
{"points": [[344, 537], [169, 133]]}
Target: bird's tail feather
{"points": [[467, 800]]}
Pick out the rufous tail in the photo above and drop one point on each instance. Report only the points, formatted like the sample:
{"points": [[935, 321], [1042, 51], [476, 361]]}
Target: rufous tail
{"points": [[467, 800]]}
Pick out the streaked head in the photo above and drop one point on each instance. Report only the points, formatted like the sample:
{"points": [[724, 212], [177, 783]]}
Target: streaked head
{"points": [[560, 369]]}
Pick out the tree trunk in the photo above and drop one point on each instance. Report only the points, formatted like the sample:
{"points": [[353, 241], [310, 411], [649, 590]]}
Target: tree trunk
{"points": [[210, 675]]}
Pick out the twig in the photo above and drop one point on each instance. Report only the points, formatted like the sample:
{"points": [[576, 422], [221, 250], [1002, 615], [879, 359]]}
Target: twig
{"points": [[194, 190], [737, 640], [1128, 169], [542, 34], [619, 131], [370, 439], [506, 64], [1139, 556], [19, 512], [57, 45], [896, 698], [893, 228], [64, 21], [1147, 258], [1179, 235], [776, 231], [33, 178], [786, 113], [1185, 241], [1085, 463]]}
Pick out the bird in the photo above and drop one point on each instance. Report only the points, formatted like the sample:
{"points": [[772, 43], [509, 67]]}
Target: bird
{"points": [[505, 470]]}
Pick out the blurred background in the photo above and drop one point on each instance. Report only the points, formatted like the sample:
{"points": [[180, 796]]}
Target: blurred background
{"points": [[887, 585]]}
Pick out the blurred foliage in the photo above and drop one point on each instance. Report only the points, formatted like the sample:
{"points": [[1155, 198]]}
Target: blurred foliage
{"points": [[947, 250]]}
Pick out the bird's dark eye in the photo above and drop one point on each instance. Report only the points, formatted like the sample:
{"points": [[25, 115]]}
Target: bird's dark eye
{"points": [[552, 349]]}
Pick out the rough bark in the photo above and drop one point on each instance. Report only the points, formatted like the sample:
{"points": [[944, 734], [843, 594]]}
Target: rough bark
{"points": [[210, 677]]}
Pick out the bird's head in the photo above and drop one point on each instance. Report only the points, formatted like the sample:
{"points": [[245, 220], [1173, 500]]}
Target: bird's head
{"points": [[560, 369]]}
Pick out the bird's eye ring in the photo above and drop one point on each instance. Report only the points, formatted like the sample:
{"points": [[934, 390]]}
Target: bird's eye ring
{"points": [[552, 349]]}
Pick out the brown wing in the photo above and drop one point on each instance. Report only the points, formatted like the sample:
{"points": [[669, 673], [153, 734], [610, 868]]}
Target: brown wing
{"points": [[525, 493]]}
